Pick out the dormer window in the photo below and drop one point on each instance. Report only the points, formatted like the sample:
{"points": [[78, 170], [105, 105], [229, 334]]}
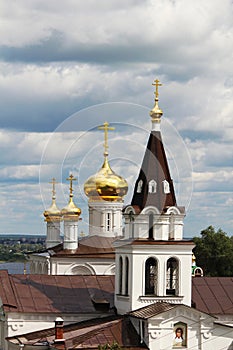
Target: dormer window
{"points": [[152, 186], [166, 187], [139, 187]]}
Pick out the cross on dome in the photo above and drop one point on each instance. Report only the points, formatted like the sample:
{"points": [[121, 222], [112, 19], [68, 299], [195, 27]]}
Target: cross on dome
{"points": [[156, 112], [106, 128], [53, 182], [156, 83], [71, 178]]}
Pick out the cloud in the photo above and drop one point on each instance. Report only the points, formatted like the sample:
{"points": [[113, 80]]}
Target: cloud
{"points": [[63, 64]]}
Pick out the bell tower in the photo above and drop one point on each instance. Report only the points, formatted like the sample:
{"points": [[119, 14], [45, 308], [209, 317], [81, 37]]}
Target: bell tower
{"points": [[153, 261]]}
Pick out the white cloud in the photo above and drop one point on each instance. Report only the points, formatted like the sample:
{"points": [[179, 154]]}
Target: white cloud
{"points": [[77, 54]]}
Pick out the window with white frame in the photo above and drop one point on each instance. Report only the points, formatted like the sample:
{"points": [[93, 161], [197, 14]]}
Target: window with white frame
{"points": [[152, 186], [139, 186]]}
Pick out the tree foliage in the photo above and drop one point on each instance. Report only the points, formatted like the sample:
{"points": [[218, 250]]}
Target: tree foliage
{"points": [[113, 346], [214, 252], [16, 252]]}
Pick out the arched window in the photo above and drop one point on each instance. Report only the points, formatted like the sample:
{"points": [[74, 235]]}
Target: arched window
{"points": [[79, 270], [166, 187], [126, 276], [152, 186], [151, 276], [139, 187], [198, 272], [120, 274], [172, 277]]}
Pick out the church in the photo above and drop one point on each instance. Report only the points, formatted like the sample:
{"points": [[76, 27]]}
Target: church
{"points": [[131, 286]]}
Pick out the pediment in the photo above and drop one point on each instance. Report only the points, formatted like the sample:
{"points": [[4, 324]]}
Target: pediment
{"points": [[186, 313]]}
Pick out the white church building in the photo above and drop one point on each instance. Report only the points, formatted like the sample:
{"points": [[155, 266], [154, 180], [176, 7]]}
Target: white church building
{"points": [[131, 287]]}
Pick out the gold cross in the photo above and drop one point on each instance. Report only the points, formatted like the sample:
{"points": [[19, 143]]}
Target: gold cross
{"points": [[53, 182], [157, 83], [71, 178], [106, 128]]}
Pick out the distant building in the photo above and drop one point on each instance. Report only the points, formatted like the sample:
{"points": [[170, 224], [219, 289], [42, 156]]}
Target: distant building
{"points": [[135, 289]]}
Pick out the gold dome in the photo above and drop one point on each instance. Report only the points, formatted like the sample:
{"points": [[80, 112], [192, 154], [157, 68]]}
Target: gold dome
{"points": [[156, 112], [71, 210], [106, 185], [52, 210], [53, 213]]}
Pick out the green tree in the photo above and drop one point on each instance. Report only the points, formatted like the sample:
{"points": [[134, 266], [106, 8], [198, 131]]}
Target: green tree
{"points": [[113, 346], [214, 252]]}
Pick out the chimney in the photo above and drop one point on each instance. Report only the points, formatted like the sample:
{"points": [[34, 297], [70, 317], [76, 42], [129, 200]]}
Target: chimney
{"points": [[59, 340]]}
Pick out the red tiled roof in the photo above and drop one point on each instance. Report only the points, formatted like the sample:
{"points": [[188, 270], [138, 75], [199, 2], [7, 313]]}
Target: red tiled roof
{"points": [[213, 295], [53, 294]]}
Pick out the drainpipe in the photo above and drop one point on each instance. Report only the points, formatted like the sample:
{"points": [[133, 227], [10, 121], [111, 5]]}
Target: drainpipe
{"points": [[141, 331]]}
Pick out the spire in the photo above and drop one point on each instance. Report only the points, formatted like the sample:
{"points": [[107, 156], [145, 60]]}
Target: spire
{"points": [[156, 112], [154, 186], [53, 213], [71, 209]]}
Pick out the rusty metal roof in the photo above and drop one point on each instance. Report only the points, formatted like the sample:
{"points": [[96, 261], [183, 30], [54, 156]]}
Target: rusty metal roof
{"points": [[82, 294], [146, 241], [88, 334], [213, 295], [152, 310], [54, 294], [89, 247]]}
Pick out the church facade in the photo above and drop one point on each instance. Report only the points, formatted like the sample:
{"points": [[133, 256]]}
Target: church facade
{"points": [[133, 287]]}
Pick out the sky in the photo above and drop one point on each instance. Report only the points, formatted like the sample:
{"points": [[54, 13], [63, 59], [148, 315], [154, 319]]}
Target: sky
{"points": [[68, 66]]}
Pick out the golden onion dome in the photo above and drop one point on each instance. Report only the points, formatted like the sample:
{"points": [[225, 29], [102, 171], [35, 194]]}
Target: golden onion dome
{"points": [[156, 112], [106, 185], [53, 213], [52, 210], [71, 210]]}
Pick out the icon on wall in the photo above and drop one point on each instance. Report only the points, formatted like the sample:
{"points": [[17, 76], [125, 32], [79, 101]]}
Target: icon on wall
{"points": [[180, 335]]}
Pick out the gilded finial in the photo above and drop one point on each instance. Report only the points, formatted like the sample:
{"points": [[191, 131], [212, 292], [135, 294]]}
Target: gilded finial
{"points": [[156, 113], [53, 213], [71, 178], [71, 210], [53, 182], [156, 83], [106, 128]]}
